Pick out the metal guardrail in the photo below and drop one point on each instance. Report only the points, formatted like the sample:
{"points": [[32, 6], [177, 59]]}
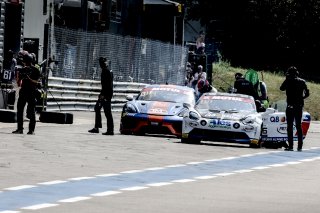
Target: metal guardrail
{"points": [[65, 94]]}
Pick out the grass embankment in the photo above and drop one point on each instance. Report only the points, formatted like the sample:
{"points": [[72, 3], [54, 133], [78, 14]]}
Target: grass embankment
{"points": [[223, 78]]}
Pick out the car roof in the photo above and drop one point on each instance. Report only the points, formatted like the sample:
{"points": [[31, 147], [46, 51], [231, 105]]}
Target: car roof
{"points": [[169, 86], [228, 94]]}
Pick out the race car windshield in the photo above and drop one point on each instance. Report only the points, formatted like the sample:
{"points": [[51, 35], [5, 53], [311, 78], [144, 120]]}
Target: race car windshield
{"points": [[231, 106], [167, 95]]}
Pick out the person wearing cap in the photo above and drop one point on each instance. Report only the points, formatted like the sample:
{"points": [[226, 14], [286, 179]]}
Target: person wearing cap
{"points": [[296, 91], [104, 99], [29, 77]]}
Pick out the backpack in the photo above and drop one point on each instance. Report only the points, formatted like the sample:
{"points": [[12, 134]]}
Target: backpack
{"points": [[206, 87], [252, 76]]}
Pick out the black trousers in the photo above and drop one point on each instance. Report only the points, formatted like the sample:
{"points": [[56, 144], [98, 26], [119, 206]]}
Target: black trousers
{"points": [[106, 104], [31, 113], [294, 114]]}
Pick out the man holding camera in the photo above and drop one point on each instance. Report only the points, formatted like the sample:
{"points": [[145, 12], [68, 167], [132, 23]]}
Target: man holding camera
{"points": [[296, 91], [28, 76]]}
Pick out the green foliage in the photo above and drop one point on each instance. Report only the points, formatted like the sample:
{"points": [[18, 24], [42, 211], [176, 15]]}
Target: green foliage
{"points": [[223, 79], [262, 34]]}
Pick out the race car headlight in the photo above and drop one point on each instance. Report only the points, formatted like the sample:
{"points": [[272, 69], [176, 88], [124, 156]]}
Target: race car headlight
{"points": [[194, 115], [248, 120], [130, 108], [183, 112]]}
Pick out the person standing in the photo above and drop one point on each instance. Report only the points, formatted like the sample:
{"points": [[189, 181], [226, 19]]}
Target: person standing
{"points": [[243, 86], [104, 99], [29, 77], [296, 91]]}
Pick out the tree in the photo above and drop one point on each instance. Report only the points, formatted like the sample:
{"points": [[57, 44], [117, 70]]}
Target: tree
{"points": [[262, 34]]}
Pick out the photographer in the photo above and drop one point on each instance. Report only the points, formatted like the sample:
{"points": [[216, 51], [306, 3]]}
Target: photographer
{"points": [[29, 77]]}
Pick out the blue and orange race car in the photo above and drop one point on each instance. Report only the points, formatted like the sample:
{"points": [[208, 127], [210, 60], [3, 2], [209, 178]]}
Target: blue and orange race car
{"points": [[158, 109]]}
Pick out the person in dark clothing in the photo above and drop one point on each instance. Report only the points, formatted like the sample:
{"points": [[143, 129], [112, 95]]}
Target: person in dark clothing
{"points": [[104, 99], [296, 91], [29, 77], [243, 86]]}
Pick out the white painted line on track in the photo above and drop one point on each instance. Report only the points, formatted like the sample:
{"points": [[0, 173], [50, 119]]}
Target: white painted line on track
{"points": [[194, 163], [243, 171], [131, 171], [20, 187], [262, 153], [183, 181], [53, 182], [293, 162], [277, 165], [229, 158], [154, 168], [205, 177], [224, 174], [159, 184], [39, 206], [134, 188], [213, 160], [247, 155], [260, 167], [81, 178], [6, 211], [74, 199], [308, 160], [176, 165], [106, 193], [315, 147], [107, 175]]}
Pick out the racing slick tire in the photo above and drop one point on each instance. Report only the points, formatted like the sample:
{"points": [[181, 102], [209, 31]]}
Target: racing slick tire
{"points": [[8, 116], [56, 117], [125, 132], [190, 141], [253, 145]]}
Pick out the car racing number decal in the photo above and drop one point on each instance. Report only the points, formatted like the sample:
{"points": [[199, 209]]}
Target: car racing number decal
{"points": [[159, 108]]}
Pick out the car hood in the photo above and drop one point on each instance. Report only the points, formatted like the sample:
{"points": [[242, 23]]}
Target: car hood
{"points": [[158, 107], [225, 115]]}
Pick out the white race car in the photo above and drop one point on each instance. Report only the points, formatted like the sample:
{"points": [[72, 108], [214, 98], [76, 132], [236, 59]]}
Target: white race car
{"points": [[224, 117], [274, 130], [227, 117]]}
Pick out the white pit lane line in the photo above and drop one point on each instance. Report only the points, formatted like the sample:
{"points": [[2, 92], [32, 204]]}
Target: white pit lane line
{"points": [[74, 199], [40, 206], [81, 178], [156, 184], [106, 193], [19, 187], [134, 188], [52, 182], [159, 184], [205, 177]]}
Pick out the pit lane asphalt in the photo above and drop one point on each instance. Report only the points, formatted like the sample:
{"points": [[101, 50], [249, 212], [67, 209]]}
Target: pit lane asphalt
{"points": [[31, 167]]}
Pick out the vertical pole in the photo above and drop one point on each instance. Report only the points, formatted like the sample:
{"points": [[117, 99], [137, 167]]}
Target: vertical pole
{"points": [[174, 30], [84, 13]]}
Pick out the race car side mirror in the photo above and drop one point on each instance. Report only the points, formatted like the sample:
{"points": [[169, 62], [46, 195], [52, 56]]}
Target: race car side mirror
{"points": [[129, 97]]}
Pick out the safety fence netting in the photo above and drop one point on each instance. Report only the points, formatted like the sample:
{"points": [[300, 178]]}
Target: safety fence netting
{"points": [[131, 59]]}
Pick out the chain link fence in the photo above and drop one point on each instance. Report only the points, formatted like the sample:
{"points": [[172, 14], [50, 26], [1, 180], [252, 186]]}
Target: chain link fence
{"points": [[131, 59]]}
